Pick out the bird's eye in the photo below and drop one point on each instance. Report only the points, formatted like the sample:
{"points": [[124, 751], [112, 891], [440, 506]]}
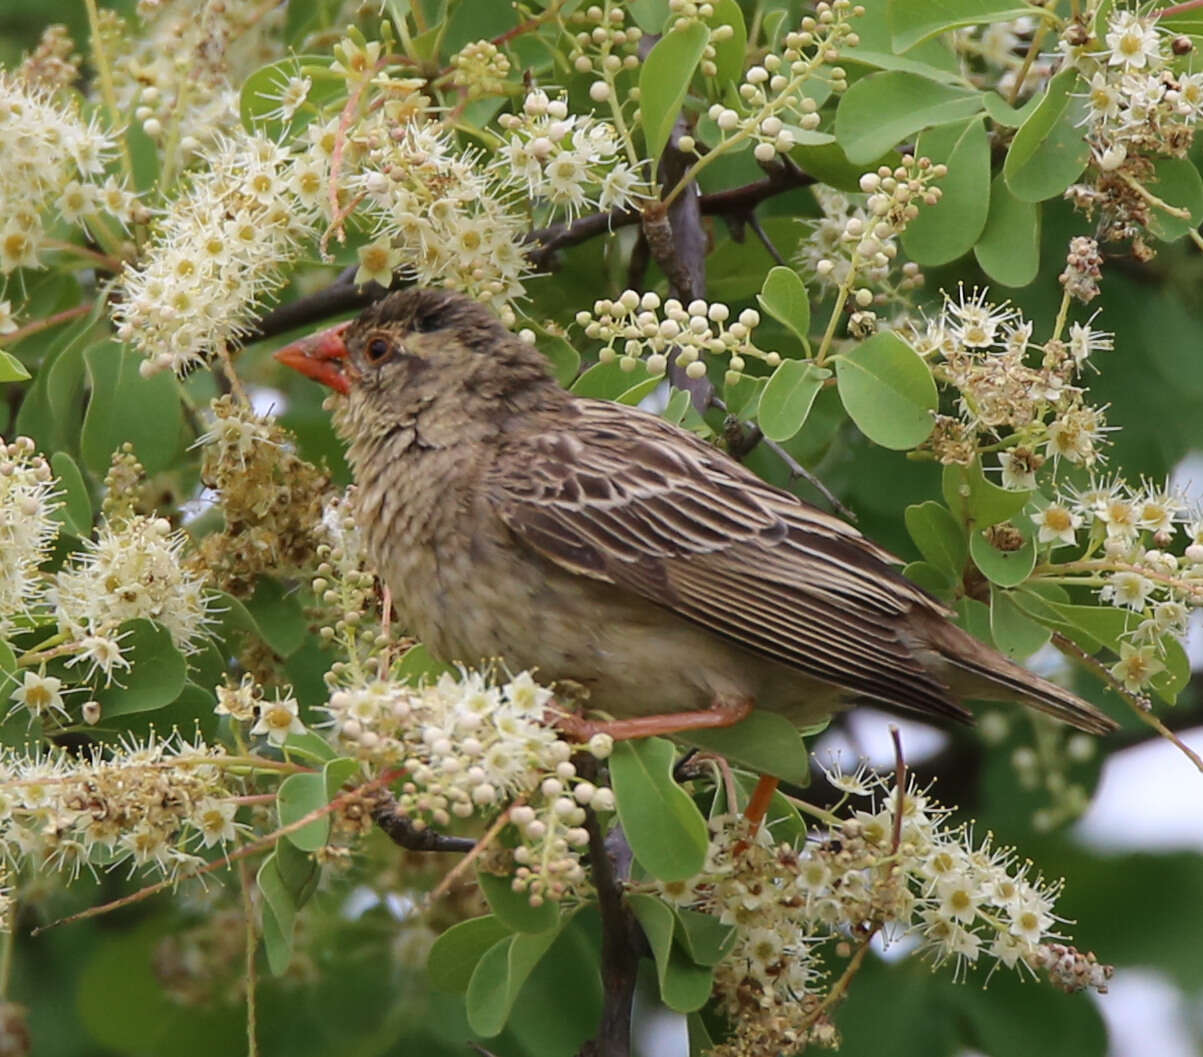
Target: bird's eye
{"points": [[425, 322], [378, 350]]}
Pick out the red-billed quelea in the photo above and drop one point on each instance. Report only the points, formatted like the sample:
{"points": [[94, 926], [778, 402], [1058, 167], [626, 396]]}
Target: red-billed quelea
{"points": [[603, 545]]}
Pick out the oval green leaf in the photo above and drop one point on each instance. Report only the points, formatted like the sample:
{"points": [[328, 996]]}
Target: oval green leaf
{"points": [[684, 985], [156, 674], [663, 825], [1004, 568], [764, 742], [513, 909], [784, 297], [1014, 632], [1009, 247], [788, 397], [1050, 150], [888, 391], [947, 230], [1178, 184], [941, 539], [664, 79], [75, 514], [881, 110], [455, 954], [913, 21], [499, 976], [976, 500], [12, 369], [298, 796]]}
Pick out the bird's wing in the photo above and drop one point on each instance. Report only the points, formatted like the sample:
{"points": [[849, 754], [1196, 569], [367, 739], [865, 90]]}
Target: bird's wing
{"points": [[627, 498]]}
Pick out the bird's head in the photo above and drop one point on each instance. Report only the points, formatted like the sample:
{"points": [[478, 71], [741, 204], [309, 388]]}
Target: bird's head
{"points": [[419, 349]]}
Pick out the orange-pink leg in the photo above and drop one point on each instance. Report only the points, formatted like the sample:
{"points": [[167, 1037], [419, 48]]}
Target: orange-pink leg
{"points": [[723, 713], [758, 803]]}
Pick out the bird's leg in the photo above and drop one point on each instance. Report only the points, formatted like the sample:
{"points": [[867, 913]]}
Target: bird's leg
{"points": [[758, 803], [724, 712]]}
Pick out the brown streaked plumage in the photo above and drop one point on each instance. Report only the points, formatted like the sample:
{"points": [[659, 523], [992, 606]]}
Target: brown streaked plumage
{"points": [[606, 546]]}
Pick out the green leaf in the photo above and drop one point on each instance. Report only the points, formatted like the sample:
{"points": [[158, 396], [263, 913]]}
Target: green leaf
{"points": [[1002, 113], [976, 500], [298, 796], [665, 78], [278, 616], [513, 909], [608, 381], [729, 54], [311, 746], [12, 369], [279, 916], [684, 985], [765, 742], [418, 665], [1014, 632], [298, 871], [888, 391], [947, 230], [1050, 150], [124, 406], [457, 951], [706, 939], [974, 617], [635, 393], [50, 412], [565, 360], [788, 397], [649, 15], [156, 675], [883, 109], [939, 536], [499, 976], [929, 578], [912, 21], [663, 825], [783, 296], [1004, 568], [8, 665], [75, 514], [677, 407], [1009, 247], [830, 165], [743, 397], [1178, 184]]}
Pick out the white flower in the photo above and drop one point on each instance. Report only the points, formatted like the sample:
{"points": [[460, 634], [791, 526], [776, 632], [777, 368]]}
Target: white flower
{"points": [[1136, 666], [1133, 41], [215, 820], [1057, 524], [7, 323], [1084, 342], [278, 719], [974, 321], [1128, 589], [40, 694]]}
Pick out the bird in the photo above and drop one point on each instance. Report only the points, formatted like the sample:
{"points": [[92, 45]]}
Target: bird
{"points": [[611, 550]]}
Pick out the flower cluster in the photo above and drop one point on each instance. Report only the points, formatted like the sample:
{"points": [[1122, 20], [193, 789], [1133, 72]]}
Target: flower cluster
{"points": [[864, 872], [28, 500], [777, 105], [481, 68], [151, 805], [270, 498], [221, 248], [177, 70], [467, 746], [439, 214], [132, 570], [634, 322], [1137, 110], [54, 163], [604, 45], [983, 350], [569, 161]]}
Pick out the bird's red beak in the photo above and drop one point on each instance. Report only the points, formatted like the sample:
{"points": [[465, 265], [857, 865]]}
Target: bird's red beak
{"points": [[320, 357]]}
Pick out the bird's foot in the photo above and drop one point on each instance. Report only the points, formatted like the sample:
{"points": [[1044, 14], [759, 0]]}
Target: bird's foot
{"points": [[723, 713]]}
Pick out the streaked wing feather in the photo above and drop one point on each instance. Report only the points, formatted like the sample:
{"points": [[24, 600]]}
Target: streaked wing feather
{"points": [[628, 498]]}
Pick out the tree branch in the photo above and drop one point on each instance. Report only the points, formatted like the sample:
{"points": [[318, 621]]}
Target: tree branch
{"points": [[622, 947], [403, 833]]}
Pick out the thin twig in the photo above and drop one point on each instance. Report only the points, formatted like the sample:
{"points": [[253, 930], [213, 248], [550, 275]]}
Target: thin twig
{"points": [[899, 788], [1139, 705], [252, 943], [753, 221], [457, 871], [796, 469], [37, 325]]}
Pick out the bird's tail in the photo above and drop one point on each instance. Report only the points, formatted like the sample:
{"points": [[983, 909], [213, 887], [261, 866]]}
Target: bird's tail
{"points": [[987, 674]]}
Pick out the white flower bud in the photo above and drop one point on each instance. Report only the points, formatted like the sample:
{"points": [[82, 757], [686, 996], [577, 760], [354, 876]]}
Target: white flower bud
{"points": [[600, 746], [603, 800], [764, 152], [551, 787], [599, 91]]}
